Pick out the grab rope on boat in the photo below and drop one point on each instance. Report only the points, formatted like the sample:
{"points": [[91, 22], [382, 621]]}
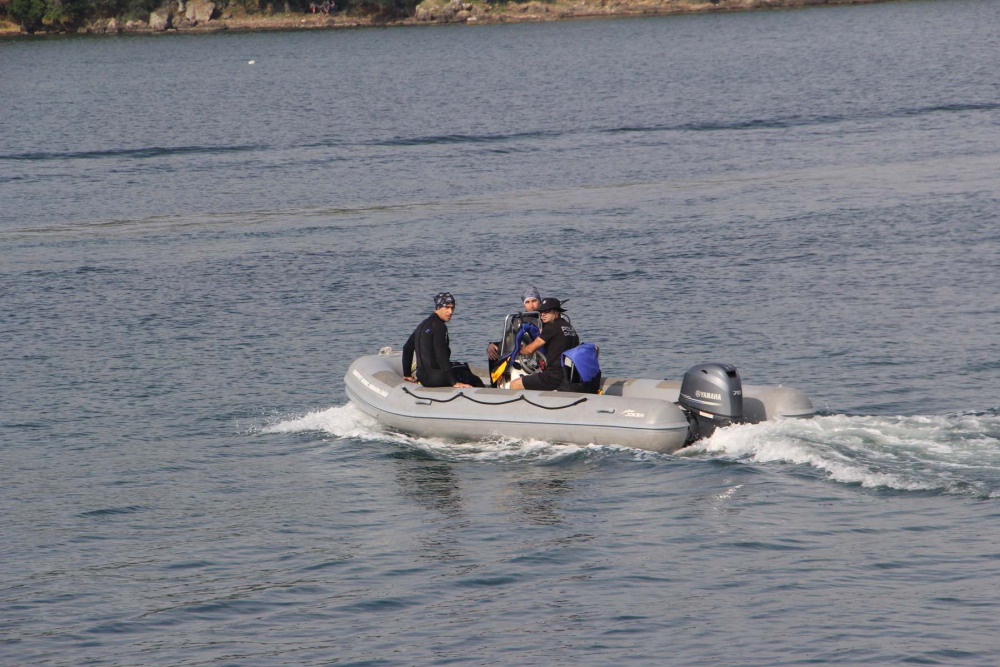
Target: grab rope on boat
{"points": [[521, 397]]}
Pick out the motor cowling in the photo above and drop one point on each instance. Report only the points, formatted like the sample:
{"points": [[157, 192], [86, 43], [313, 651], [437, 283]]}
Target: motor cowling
{"points": [[711, 396]]}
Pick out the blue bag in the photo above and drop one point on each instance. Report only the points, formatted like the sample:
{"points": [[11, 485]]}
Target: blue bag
{"points": [[584, 360]]}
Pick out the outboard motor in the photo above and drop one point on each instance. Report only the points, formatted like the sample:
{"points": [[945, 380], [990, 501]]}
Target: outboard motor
{"points": [[711, 396]]}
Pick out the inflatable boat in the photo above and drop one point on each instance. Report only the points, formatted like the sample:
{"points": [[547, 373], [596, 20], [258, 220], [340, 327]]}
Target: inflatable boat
{"points": [[655, 415]]}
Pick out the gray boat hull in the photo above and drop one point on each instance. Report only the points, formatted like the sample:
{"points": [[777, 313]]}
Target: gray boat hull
{"points": [[631, 412]]}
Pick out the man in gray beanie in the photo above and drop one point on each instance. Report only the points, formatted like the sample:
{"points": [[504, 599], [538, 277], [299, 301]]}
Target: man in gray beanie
{"points": [[530, 298]]}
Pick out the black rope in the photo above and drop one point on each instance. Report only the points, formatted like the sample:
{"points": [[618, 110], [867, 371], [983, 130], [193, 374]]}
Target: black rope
{"points": [[513, 400], [568, 405], [521, 397], [435, 400]]}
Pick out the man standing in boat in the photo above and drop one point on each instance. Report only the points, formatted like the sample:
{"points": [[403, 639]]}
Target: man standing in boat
{"points": [[557, 336], [431, 345]]}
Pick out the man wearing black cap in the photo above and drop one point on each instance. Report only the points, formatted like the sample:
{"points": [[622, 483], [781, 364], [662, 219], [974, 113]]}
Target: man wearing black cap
{"points": [[431, 344], [557, 336]]}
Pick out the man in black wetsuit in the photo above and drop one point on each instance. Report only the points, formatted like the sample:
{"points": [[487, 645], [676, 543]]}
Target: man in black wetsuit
{"points": [[557, 336], [431, 344]]}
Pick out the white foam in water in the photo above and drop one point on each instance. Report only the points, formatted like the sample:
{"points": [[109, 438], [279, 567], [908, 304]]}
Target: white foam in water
{"points": [[947, 453], [344, 421], [347, 421], [497, 447], [956, 453]]}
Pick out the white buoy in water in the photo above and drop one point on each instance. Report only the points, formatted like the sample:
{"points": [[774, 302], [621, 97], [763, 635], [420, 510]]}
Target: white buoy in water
{"points": [[251, 62]]}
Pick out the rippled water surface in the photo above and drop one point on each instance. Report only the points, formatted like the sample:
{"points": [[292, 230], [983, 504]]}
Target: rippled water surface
{"points": [[193, 249]]}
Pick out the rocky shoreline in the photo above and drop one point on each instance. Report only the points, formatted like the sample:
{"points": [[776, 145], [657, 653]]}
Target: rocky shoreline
{"points": [[202, 16]]}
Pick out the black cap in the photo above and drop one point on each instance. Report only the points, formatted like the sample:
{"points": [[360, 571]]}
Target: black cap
{"points": [[442, 299], [551, 304]]}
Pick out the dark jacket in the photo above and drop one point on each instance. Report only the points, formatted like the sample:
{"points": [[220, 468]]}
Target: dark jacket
{"points": [[431, 345], [559, 336]]}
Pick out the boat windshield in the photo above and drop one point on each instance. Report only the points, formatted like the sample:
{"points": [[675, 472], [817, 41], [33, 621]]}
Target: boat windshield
{"points": [[511, 325]]}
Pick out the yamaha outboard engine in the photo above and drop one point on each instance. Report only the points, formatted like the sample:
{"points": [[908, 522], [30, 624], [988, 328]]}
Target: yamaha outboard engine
{"points": [[711, 396]]}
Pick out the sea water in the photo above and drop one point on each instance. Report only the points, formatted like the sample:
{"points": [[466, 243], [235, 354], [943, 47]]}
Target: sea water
{"points": [[194, 248]]}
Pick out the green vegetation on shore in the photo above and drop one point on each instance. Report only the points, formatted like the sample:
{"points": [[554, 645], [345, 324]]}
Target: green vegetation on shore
{"points": [[65, 15], [115, 16]]}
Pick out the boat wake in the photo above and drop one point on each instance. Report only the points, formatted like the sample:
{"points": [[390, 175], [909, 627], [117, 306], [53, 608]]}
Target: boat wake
{"points": [[348, 422], [343, 421], [951, 454]]}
